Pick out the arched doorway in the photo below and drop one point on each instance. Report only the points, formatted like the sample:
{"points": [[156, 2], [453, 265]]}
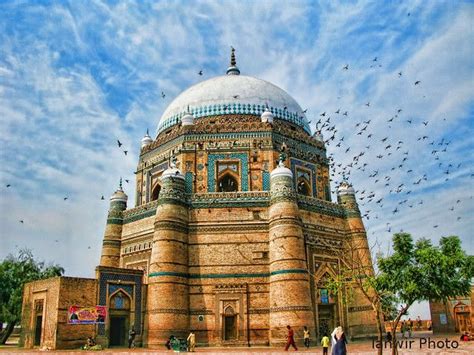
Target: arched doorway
{"points": [[230, 324], [119, 319], [227, 183], [326, 305]]}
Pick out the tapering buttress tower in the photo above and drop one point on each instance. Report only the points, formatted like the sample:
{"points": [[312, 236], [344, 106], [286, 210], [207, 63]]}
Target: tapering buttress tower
{"points": [[168, 303], [357, 257], [290, 297], [113, 231]]}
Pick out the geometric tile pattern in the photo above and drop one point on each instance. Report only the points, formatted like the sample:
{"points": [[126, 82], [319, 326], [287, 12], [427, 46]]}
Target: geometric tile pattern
{"points": [[235, 108]]}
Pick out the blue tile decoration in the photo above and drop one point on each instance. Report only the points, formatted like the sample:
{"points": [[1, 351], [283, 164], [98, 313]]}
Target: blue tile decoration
{"points": [[114, 287], [211, 169], [106, 279], [266, 181], [295, 163], [234, 108], [188, 182]]}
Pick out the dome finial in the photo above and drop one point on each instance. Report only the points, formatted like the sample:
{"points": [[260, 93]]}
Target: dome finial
{"points": [[120, 184], [232, 70], [232, 57]]}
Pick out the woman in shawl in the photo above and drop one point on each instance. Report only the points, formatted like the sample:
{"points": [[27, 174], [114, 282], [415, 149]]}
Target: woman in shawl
{"points": [[340, 347]]}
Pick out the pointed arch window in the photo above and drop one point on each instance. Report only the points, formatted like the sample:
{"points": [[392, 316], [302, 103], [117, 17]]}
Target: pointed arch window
{"points": [[303, 182], [228, 176]]}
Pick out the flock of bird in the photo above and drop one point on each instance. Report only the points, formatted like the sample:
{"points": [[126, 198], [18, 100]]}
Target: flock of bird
{"points": [[397, 184], [386, 148]]}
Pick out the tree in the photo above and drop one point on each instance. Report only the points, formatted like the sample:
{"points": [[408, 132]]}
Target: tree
{"points": [[422, 272], [357, 273], [15, 271]]}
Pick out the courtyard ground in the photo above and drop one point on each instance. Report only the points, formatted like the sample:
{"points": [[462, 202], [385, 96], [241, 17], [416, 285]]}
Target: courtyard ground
{"points": [[419, 345]]}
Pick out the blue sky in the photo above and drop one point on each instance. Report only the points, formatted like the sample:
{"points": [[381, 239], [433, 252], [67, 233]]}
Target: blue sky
{"points": [[75, 76]]}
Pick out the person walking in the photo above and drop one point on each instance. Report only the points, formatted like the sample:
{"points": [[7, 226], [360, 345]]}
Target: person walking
{"points": [[191, 341], [325, 344], [290, 339], [131, 337], [340, 348], [306, 337]]}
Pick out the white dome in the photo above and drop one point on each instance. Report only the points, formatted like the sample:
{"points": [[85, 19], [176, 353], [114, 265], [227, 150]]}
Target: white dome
{"points": [[281, 170], [146, 140], [267, 116], [233, 94], [187, 119], [345, 189], [319, 136], [119, 195]]}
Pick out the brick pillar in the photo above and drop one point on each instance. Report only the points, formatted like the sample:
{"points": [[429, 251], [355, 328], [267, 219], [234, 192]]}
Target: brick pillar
{"points": [[113, 230], [357, 252], [290, 299], [168, 299], [358, 237]]}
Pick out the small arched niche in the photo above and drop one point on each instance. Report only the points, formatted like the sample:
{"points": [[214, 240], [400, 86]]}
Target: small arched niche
{"points": [[155, 192]]}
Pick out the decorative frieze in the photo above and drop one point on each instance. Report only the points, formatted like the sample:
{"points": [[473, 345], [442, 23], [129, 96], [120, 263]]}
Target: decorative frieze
{"points": [[321, 206]]}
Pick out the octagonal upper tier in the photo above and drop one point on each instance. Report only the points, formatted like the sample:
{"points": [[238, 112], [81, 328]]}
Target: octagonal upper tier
{"points": [[233, 94]]}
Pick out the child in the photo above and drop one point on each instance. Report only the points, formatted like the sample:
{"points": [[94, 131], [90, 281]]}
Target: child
{"points": [[325, 344], [306, 337]]}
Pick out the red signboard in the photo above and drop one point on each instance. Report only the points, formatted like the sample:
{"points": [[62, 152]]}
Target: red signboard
{"points": [[87, 315]]}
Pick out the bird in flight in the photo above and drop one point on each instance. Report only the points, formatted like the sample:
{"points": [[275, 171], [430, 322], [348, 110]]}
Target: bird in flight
{"points": [[399, 74], [119, 143], [235, 96], [417, 82], [125, 152], [8, 185], [163, 95], [200, 72], [346, 67], [102, 198], [127, 181], [305, 110], [21, 221], [65, 198], [367, 104], [374, 60]]}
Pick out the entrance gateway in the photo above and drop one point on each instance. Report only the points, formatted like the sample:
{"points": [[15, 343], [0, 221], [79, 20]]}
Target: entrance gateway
{"points": [[118, 331]]}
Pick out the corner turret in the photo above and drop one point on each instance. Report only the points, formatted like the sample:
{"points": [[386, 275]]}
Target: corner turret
{"points": [[290, 296], [168, 314], [113, 230]]}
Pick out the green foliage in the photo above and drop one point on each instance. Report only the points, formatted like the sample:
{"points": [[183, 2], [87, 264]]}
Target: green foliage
{"points": [[15, 271], [420, 271]]}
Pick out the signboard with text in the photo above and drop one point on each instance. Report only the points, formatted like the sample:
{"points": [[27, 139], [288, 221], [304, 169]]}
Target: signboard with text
{"points": [[87, 315]]}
